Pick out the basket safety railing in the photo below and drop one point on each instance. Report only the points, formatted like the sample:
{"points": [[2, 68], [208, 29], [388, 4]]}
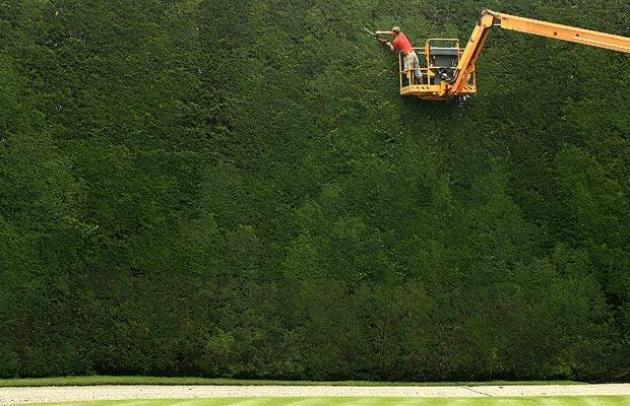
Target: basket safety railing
{"points": [[426, 71]]}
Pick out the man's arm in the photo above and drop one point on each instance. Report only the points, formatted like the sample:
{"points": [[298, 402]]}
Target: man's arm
{"points": [[386, 43]]}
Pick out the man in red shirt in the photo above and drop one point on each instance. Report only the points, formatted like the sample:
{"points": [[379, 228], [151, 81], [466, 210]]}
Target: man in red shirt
{"points": [[401, 44]]}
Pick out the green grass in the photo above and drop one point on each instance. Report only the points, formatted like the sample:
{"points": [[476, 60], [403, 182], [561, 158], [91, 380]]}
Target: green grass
{"points": [[555, 401], [153, 380]]}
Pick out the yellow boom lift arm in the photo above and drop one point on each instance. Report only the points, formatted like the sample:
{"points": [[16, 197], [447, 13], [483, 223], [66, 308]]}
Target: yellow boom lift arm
{"points": [[459, 78]]}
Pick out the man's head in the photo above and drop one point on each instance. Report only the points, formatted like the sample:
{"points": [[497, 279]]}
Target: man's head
{"points": [[396, 30]]}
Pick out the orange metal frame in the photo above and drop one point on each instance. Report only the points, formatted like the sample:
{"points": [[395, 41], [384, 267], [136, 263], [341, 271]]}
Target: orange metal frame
{"points": [[465, 82], [427, 89]]}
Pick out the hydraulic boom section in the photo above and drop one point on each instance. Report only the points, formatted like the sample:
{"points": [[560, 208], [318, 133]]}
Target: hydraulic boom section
{"points": [[444, 77]]}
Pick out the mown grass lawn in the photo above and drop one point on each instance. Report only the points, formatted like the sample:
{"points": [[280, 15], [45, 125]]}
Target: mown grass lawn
{"points": [[157, 380], [534, 401]]}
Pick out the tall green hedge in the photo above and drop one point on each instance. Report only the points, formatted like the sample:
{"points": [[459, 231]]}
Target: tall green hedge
{"points": [[235, 188]]}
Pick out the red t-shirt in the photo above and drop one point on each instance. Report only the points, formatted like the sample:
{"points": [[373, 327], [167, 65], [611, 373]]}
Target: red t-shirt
{"points": [[402, 44]]}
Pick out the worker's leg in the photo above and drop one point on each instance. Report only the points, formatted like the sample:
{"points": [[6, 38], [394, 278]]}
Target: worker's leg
{"points": [[415, 65], [408, 59]]}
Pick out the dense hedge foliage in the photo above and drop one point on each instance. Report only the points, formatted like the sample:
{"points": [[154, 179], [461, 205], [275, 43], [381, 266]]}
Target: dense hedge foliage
{"points": [[234, 188]]}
